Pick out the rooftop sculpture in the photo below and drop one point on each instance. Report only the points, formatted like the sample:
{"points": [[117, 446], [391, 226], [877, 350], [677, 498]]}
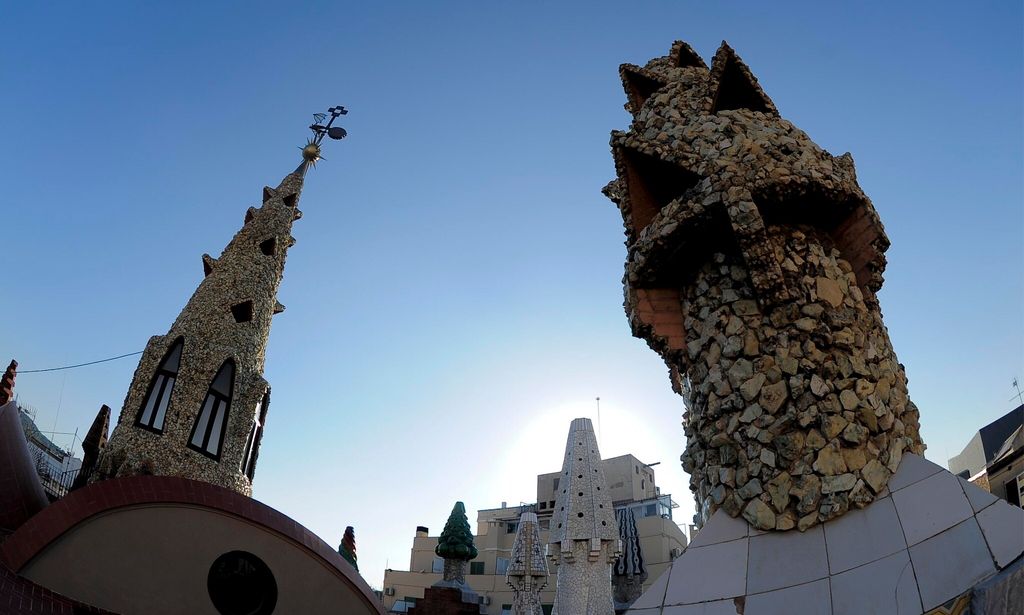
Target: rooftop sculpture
{"points": [[198, 401], [584, 538], [753, 262], [754, 259], [527, 572]]}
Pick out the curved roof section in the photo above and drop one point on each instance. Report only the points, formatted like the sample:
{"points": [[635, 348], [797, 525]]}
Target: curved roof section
{"points": [[77, 507]]}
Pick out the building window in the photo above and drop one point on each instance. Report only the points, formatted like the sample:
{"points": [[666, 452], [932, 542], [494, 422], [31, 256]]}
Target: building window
{"points": [[501, 565], [437, 566], [547, 608], [239, 583], [543, 505], [545, 524], [476, 567], [252, 444], [643, 484], [208, 431], [511, 527], [555, 488], [506, 609], [154, 406]]}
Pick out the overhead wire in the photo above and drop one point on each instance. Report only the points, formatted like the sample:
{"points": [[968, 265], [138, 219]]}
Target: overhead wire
{"points": [[54, 369]]}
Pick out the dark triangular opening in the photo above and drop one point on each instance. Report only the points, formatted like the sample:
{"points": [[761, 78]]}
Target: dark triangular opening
{"points": [[653, 183], [269, 247], [290, 200], [684, 56], [268, 193], [242, 311], [639, 88], [737, 91]]}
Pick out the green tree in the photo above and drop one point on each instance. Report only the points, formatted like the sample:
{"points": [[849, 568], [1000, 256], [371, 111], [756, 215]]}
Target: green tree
{"points": [[456, 541], [347, 548]]}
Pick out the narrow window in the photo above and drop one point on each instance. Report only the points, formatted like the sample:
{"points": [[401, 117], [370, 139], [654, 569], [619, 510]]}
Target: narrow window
{"points": [[252, 445], [154, 406], [476, 567], [501, 565], [208, 432]]}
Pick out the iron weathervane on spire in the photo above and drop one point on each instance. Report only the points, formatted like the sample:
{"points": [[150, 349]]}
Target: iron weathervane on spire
{"points": [[311, 151]]}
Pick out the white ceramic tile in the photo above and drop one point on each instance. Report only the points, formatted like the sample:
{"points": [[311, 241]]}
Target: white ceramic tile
{"points": [[912, 469], [978, 497], [883, 586], [708, 573], [718, 607], [655, 594], [949, 564], [808, 599], [930, 506], [719, 528], [1003, 527], [862, 536], [781, 559]]}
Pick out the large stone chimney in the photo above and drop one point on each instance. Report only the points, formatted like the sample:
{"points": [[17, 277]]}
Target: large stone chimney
{"points": [[753, 262]]}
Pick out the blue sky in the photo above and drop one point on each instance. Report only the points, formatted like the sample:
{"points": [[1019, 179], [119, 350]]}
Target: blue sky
{"points": [[454, 297]]}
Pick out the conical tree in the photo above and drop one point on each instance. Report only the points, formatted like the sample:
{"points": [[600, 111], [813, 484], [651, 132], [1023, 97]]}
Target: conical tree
{"points": [[347, 548], [456, 545]]}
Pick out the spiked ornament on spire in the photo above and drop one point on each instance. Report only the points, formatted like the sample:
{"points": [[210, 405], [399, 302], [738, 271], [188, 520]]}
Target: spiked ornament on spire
{"points": [[311, 151]]}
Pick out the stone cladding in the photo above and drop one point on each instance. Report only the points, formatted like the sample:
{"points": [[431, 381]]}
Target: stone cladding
{"points": [[227, 318], [527, 572], [584, 537], [753, 262]]}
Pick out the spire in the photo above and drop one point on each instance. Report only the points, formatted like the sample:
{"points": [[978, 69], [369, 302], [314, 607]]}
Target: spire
{"points": [[92, 445], [196, 405], [527, 573], [347, 549], [584, 537]]}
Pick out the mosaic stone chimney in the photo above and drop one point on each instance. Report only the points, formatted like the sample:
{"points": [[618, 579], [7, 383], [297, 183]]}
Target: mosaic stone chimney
{"points": [[527, 572], [584, 538], [198, 400], [753, 264]]}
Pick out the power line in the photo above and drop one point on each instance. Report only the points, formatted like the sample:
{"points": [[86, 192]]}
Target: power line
{"points": [[54, 369]]}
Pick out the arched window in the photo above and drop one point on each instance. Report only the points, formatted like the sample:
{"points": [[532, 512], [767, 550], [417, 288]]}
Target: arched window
{"points": [[252, 444], [154, 406], [208, 432]]}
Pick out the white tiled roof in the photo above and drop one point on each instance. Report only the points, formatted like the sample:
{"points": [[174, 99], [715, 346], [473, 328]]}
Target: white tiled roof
{"points": [[928, 540]]}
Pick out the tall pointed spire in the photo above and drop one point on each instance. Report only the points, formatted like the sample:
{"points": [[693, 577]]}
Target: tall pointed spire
{"points": [[527, 573], [198, 399], [584, 536]]}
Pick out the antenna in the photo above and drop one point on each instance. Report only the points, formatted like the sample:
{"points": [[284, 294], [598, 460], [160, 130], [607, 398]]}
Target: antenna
{"points": [[1020, 398], [599, 420]]}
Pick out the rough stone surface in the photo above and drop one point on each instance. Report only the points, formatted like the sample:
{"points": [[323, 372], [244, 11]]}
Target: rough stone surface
{"points": [[584, 537], [527, 572], [245, 277], [753, 262]]}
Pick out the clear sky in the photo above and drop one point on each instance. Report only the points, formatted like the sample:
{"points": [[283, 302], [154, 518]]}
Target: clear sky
{"points": [[454, 297]]}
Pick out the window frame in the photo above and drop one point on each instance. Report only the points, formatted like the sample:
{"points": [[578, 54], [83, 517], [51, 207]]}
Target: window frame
{"points": [[217, 397], [161, 370]]}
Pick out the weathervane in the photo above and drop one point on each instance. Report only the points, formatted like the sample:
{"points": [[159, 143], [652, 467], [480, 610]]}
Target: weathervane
{"points": [[311, 151]]}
